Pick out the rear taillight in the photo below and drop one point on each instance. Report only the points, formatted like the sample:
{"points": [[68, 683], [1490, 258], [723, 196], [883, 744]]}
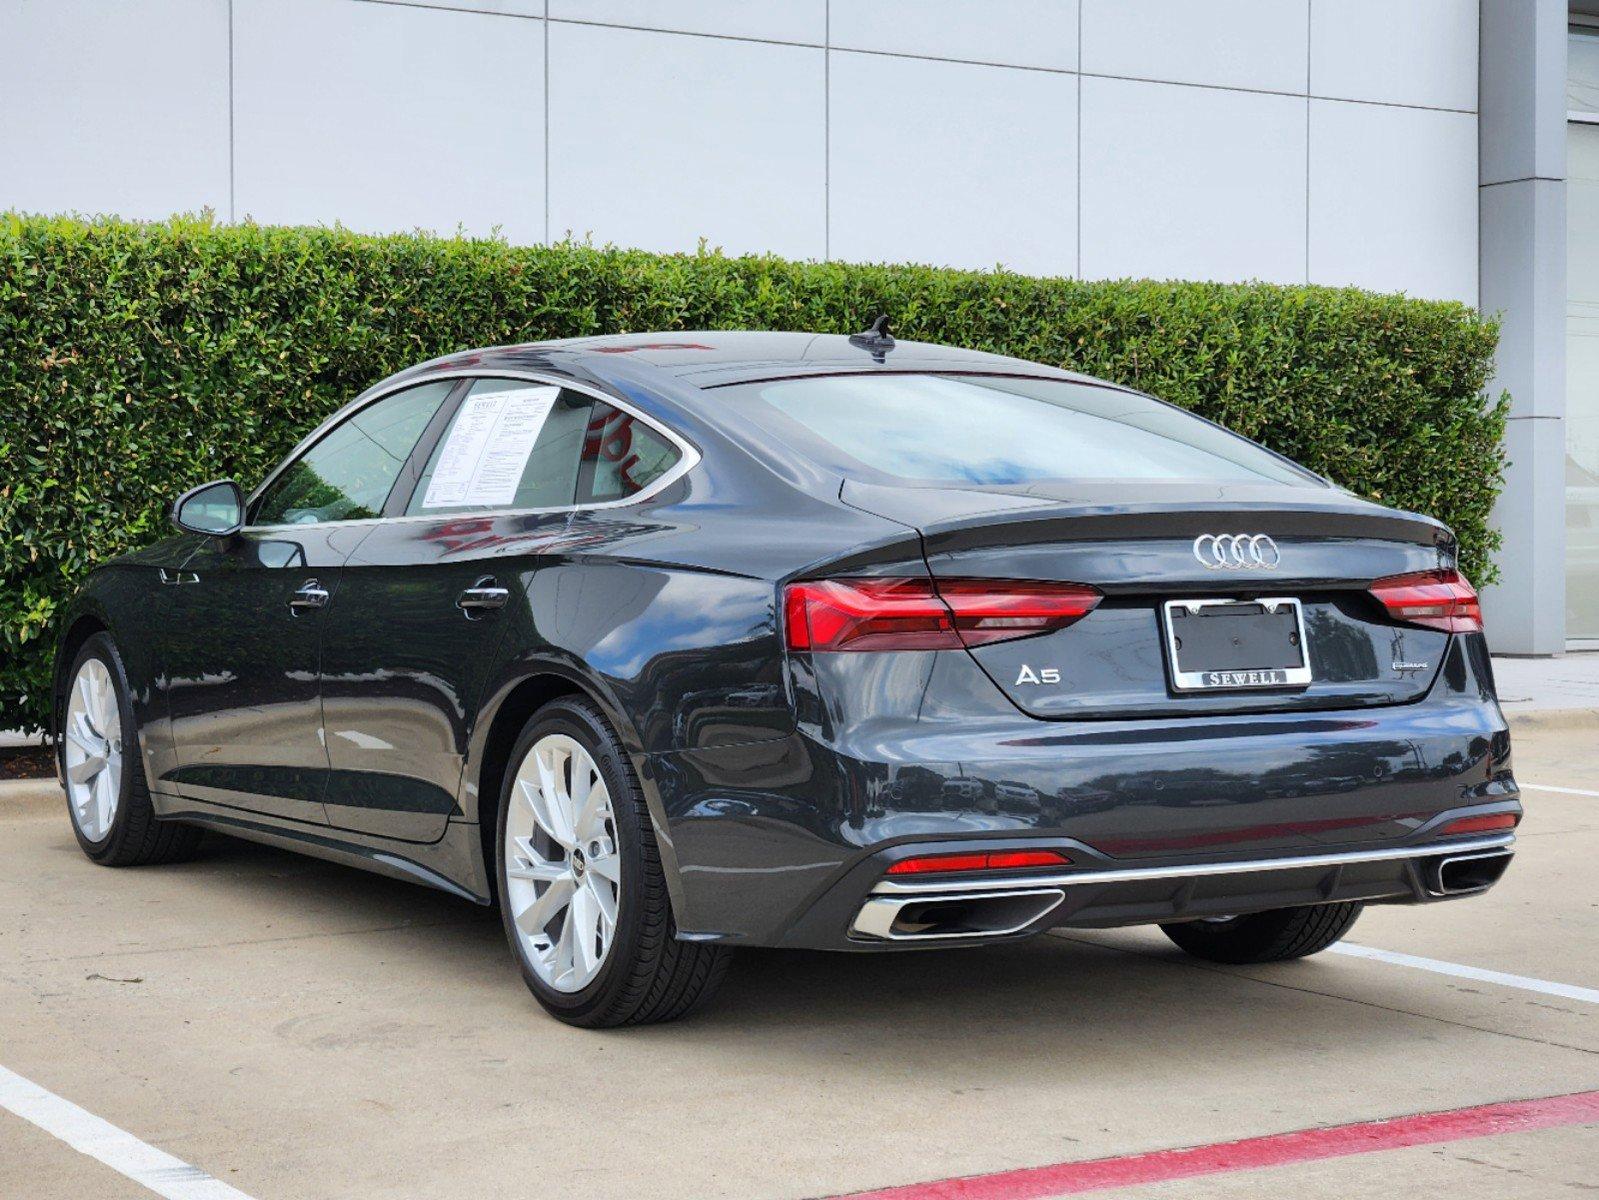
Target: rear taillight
{"points": [[1488, 823], [1437, 599], [997, 860], [917, 614]]}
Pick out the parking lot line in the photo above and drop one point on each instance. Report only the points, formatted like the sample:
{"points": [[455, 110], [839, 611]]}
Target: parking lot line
{"points": [[1273, 1150], [1526, 983], [1544, 787], [116, 1148]]}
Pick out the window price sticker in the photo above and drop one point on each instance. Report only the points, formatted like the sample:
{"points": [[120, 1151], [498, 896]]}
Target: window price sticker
{"points": [[488, 448]]}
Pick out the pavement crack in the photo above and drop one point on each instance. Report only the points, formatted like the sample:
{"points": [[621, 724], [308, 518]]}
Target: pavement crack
{"points": [[1489, 1164]]}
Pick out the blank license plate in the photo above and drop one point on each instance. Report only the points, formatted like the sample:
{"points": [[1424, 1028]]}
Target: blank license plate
{"points": [[1227, 645]]}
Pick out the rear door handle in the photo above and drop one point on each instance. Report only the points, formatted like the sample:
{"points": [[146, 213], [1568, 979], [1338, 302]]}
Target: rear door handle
{"points": [[483, 595], [310, 594]]}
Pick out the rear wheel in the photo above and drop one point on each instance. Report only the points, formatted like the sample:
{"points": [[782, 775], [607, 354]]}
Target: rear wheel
{"points": [[107, 797], [1265, 937], [582, 892]]}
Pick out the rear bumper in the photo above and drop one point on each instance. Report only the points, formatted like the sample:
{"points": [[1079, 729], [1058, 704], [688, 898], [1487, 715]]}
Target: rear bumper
{"points": [[1101, 897]]}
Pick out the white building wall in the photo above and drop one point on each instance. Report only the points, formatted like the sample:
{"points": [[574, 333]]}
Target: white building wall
{"points": [[1329, 141], [387, 120], [119, 108]]}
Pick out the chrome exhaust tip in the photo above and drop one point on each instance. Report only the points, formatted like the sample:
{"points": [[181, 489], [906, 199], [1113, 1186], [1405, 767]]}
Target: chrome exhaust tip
{"points": [[959, 915], [1462, 874]]}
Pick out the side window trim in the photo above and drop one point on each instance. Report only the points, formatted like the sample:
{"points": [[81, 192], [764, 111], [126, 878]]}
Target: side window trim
{"points": [[411, 473], [689, 453]]}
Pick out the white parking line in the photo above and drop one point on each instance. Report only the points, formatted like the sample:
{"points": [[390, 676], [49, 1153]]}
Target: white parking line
{"points": [[1544, 787], [116, 1148], [1526, 983]]}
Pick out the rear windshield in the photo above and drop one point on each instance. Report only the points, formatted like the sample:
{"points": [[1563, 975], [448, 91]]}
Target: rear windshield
{"points": [[997, 431]]}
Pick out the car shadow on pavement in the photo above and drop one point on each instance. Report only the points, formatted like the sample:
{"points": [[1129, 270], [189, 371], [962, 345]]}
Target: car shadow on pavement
{"points": [[1010, 1005]]}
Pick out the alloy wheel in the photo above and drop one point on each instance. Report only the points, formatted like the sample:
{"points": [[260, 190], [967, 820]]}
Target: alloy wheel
{"points": [[563, 875], [93, 750]]}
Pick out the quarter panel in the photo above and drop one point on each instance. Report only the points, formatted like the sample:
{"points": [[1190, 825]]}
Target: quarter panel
{"points": [[692, 656], [666, 615]]}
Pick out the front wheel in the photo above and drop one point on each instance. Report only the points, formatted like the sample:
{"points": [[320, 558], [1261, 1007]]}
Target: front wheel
{"points": [[107, 796], [1272, 936], [582, 892]]}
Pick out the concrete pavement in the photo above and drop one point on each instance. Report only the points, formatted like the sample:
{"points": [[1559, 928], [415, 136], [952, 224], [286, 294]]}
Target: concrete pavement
{"points": [[1567, 683], [298, 1029]]}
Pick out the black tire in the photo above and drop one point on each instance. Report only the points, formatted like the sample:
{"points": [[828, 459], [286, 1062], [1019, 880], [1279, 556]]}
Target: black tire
{"points": [[1273, 936], [137, 837], [649, 975]]}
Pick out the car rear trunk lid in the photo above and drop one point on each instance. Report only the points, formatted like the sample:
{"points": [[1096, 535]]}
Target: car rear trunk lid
{"points": [[1246, 573]]}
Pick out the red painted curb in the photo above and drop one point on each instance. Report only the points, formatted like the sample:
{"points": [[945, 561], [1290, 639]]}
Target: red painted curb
{"points": [[1274, 1150]]}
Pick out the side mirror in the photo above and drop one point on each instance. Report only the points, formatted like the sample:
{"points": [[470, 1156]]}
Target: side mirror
{"points": [[215, 509]]}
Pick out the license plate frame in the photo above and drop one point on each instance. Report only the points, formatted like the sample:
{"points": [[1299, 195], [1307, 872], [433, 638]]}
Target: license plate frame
{"points": [[1235, 679]]}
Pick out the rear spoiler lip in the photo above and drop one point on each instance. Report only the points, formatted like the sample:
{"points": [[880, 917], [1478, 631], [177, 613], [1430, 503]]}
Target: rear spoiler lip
{"points": [[1013, 519], [999, 529]]}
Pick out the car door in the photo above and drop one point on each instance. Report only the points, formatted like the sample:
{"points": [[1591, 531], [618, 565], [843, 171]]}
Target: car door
{"points": [[243, 652], [422, 601]]}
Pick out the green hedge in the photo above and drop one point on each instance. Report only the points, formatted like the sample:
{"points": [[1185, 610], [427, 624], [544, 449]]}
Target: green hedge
{"points": [[137, 360]]}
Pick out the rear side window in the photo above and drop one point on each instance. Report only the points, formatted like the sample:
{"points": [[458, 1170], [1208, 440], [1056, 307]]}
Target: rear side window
{"points": [[510, 444], [999, 431], [518, 445], [621, 456], [348, 474]]}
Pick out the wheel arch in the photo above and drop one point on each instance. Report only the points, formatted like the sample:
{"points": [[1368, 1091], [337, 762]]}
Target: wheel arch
{"points": [[82, 627], [512, 711], [502, 720], [122, 600]]}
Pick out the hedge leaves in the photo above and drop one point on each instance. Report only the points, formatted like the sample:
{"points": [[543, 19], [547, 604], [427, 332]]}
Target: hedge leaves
{"points": [[138, 360]]}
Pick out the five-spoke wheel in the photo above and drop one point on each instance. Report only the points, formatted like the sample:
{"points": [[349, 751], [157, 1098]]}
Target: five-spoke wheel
{"points": [[112, 813], [581, 888], [563, 874], [92, 733]]}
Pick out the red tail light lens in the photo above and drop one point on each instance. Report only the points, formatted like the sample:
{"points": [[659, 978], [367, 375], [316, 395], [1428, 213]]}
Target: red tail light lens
{"points": [[1483, 824], [867, 614], [1437, 599], [998, 860], [917, 614]]}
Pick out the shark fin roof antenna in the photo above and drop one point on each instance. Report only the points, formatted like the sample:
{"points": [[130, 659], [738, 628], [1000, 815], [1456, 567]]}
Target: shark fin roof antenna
{"points": [[876, 340]]}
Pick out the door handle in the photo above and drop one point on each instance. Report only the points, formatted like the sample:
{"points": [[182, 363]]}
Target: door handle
{"points": [[482, 596], [310, 594]]}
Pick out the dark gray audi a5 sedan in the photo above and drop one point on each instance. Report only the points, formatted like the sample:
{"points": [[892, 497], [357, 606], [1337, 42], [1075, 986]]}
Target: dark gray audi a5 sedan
{"points": [[672, 643]]}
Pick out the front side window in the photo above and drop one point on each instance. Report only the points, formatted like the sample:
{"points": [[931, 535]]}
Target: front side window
{"points": [[1000, 431], [347, 475]]}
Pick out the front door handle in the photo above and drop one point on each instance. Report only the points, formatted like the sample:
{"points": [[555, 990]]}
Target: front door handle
{"points": [[310, 594], [482, 596]]}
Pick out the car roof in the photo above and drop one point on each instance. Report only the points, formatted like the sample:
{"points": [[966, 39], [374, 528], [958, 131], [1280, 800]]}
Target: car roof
{"points": [[708, 359]]}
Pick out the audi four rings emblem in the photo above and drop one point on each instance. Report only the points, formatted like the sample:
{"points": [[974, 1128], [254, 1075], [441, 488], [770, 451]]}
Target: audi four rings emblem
{"points": [[1246, 551]]}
